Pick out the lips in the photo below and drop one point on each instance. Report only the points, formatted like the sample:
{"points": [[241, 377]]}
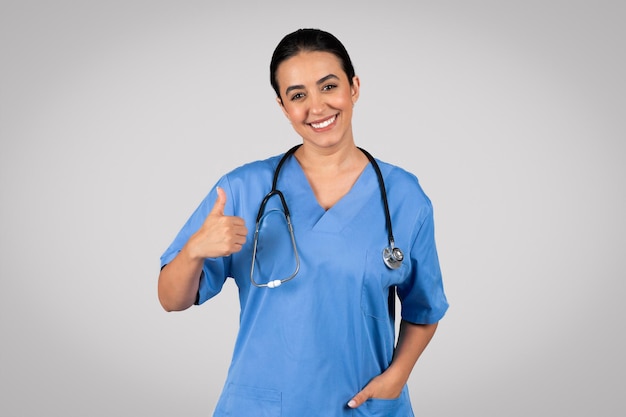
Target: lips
{"points": [[324, 123]]}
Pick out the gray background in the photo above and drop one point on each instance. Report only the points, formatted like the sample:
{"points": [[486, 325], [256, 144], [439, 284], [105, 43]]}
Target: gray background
{"points": [[117, 117]]}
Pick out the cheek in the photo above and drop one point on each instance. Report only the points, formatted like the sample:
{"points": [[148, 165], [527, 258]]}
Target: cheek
{"points": [[295, 113], [344, 101]]}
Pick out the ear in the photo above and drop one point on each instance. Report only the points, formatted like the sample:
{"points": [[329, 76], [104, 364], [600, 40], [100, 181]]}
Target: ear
{"points": [[355, 89], [282, 107]]}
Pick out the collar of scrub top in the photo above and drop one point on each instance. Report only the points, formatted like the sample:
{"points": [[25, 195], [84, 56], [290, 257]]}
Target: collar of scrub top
{"points": [[392, 256]]}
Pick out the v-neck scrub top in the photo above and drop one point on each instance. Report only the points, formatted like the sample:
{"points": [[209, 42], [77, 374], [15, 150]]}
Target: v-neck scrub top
{"points": [[308, 346]]}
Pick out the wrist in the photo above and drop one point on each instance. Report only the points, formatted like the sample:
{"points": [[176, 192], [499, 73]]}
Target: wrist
{"points": [[396, 378], [191, 253]]}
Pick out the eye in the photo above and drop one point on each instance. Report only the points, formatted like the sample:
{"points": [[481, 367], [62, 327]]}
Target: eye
{"points": [[297, 96], [328, 87]]}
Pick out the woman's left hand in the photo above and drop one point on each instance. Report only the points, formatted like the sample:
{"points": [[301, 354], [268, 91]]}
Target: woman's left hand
{"points": [[384, 386], [412, 341]]}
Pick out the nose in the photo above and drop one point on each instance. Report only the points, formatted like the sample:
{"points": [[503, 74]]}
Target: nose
{"points": [[317, 103]]}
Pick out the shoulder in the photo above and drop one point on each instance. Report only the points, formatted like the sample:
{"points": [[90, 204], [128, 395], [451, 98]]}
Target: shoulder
{"points": [[249, 182], [399, 181], [255, 168]]}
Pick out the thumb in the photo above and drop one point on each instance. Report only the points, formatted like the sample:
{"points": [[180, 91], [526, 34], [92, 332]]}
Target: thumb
{"points": [[220, 202], [358, 399]]}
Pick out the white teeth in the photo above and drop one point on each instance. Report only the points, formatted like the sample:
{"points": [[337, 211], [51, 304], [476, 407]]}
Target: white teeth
{"points": [[323, 124]]}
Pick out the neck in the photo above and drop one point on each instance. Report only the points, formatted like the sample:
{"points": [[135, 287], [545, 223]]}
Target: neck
{"points": [[337, 158]]}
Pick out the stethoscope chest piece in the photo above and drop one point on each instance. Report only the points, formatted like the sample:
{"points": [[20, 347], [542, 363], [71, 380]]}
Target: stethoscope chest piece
{"points": [[393, 257]]}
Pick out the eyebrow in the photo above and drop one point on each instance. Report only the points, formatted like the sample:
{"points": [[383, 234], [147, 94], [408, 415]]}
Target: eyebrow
{"points": [[320, 81]]}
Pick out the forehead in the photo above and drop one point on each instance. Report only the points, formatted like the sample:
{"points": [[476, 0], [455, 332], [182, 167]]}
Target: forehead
{"points": [[308, 67]]}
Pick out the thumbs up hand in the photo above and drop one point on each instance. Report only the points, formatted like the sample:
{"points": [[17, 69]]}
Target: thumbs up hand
{"points": [[219, 235]]}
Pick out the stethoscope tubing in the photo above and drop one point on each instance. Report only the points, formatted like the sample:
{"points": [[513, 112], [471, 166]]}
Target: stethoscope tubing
{"points": [[383, 193], [392, 256]]}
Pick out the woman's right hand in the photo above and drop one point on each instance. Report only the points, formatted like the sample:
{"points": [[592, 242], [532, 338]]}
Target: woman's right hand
{"points": [[219, 235]]}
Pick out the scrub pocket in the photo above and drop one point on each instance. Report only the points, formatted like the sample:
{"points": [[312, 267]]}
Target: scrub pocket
{"points": [[384, 408], [244, 401], [377, 278]]}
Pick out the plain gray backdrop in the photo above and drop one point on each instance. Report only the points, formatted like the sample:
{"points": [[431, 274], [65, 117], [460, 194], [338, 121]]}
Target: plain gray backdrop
{"points": [[117, 117]]}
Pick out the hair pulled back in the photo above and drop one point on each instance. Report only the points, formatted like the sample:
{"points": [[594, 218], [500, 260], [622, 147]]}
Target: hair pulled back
{"points": [[308, 40]]}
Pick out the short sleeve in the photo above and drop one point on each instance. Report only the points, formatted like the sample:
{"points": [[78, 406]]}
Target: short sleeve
{"points": [[422, 295]]}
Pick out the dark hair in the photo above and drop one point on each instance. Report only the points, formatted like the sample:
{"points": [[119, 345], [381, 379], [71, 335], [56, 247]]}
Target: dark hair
{"points": [[308, 40]]}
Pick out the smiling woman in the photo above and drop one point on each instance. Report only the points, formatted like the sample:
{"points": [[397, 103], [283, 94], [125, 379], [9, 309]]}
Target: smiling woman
{"points": [[331, 323], [318, 98]]}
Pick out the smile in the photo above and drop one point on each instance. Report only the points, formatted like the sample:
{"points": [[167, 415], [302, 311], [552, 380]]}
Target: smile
{"points": [[325, 123]]}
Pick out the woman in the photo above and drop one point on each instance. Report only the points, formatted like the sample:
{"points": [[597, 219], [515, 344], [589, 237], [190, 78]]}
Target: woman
{"points": [[316, 334]]}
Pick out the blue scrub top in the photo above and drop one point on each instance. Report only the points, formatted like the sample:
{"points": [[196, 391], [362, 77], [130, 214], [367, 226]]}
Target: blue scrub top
{"points": [[307, 347]]}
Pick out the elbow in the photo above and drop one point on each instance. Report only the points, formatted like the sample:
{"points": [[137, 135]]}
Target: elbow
{"points": [[173, 297], [173, 301], [167, 307], [171, 305], [171, 308]]}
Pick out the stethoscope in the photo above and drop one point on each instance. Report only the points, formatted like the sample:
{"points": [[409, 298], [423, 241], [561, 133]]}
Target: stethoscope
{"points": [[392, 256]]}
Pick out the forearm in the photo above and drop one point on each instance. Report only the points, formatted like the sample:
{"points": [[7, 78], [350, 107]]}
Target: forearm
{"points": [[179, 281], [412, 341]]}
